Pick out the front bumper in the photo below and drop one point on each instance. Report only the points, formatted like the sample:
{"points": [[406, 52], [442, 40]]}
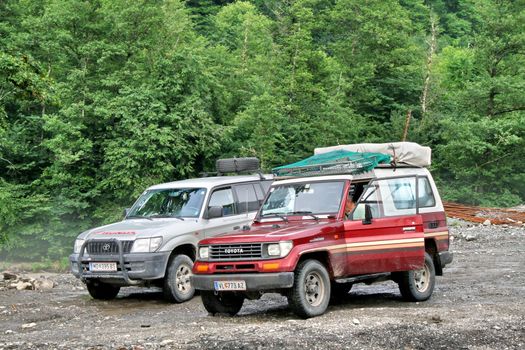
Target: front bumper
{"points": [[132, 268], [254, 281]]}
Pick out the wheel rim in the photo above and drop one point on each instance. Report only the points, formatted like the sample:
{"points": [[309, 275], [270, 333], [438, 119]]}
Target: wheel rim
{"points": [[314, 288], [422, 279], [182, 279]]}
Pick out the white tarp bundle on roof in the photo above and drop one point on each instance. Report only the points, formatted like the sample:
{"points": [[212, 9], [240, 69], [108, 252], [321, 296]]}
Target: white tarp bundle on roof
{"points": [[409, 153]]}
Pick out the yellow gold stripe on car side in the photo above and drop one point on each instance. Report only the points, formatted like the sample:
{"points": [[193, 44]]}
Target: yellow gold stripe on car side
{"points": [[371, 245], [388, 241], [436, 234], [386, 246]]}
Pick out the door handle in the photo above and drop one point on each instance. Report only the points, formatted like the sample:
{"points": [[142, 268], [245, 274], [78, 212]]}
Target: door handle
{"points": [[409, 228], [236, 227]]}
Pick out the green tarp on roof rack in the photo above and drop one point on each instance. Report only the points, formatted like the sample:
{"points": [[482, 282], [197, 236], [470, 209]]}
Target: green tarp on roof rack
{"points": [[334, 162]]}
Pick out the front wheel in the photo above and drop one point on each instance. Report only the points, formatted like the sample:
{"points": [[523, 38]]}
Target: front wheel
{"points": [[102, 291], [222, 302], [418, 285], [177, 285], [310, 293]]}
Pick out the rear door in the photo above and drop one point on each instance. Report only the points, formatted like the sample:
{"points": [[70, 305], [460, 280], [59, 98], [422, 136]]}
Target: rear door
{"points": [[393, 240]]}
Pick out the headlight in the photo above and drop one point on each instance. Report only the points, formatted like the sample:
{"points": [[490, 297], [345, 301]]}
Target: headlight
{"points": [[280, 249], [78, 245], [155, 244], [204, 252], [274, 249], [146, 245]]}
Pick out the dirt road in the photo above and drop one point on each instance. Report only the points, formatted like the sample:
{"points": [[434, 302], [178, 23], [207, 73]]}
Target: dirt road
{"points": [[478, 304]]}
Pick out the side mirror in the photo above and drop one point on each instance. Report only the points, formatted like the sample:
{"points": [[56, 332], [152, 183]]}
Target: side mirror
{"points": [[215, 212], [126, 211], [368, 215]]}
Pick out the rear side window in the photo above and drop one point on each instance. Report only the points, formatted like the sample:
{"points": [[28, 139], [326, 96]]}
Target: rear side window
{"points": [[223, 198], [426, 196], [246, 198]]}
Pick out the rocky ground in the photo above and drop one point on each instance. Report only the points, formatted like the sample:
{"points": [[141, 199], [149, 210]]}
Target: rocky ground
{"points": [[477, 304]]}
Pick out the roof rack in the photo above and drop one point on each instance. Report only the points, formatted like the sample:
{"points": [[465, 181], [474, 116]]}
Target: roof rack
{"points": [[334, 162]]}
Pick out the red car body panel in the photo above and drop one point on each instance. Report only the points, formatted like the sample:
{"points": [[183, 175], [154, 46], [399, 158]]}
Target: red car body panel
{"points": [[387, 244]]}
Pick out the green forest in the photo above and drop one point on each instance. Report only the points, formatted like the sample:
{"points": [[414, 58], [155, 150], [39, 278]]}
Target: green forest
{"points": [[101, 98]]}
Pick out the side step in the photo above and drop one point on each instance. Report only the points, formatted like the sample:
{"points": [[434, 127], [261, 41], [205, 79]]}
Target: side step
{"points": [[364, 278]]}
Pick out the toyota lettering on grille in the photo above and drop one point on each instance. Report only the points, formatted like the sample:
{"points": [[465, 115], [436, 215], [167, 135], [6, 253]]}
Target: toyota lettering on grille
{"points": [[233, 250]]}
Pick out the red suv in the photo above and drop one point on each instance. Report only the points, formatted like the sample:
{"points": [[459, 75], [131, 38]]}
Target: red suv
{"points": [[315, 236]]}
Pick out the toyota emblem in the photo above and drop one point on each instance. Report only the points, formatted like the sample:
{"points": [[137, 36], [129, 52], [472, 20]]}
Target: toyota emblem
{"points": [[106, 247]]}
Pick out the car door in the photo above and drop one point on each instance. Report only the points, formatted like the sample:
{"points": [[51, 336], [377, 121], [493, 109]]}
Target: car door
{"points": [[231, 220], [393, 240]]}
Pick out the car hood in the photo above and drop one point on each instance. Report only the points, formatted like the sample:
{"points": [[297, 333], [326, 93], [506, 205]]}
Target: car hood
{"points": [[269, 232], [132, 229]]}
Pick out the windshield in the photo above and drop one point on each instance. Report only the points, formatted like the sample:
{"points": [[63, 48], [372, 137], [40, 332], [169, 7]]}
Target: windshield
{"points": [[304, 198], [173, 202]]}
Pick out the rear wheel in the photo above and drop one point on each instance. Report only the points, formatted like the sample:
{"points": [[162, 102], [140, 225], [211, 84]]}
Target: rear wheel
{"points": [[222, 302], [177, 285], [310, 293], [418, 285], [102, 291]]}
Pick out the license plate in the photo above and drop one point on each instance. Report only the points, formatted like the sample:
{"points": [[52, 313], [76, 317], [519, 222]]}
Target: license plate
{"points": [[229, 285], [102, 266]]}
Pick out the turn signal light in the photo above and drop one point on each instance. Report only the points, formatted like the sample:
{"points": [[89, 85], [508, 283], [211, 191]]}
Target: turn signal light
{"points": [[271, 266], [202, 268]]}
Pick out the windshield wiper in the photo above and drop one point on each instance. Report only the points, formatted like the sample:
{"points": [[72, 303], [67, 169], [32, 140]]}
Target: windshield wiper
{"points": [[166, 216], [269, 215], [138, 217], [307, 213]]}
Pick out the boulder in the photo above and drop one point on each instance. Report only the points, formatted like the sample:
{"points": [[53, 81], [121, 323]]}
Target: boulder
{"points": [[8, 275], [21, 285], [43, 284]]}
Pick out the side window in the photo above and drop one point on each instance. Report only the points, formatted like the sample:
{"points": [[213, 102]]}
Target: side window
{"points": [[403, 193], [223, 198], [266, 184], [388, 197], [246, 197], [371, 198], [259, 192], [426, 196]]}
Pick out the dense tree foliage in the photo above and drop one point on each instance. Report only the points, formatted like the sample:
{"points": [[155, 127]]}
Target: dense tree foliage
{"points": [[100, 99]]}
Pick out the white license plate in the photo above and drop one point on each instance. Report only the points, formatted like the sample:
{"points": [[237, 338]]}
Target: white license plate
{"points": [[102, 266], [229, 285]]}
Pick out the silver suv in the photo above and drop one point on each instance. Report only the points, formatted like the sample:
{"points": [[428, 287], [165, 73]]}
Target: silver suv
{"points": [[156, 242]]}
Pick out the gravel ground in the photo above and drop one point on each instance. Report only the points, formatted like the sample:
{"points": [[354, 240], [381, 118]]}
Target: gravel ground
{"points": [[477, 304]]}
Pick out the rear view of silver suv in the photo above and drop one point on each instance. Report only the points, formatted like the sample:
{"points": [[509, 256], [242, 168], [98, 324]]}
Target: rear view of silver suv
{"points": [[155, 244]]}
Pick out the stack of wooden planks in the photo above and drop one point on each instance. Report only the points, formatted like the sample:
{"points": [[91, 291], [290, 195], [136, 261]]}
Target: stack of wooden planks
{"points": [[497, 216]]}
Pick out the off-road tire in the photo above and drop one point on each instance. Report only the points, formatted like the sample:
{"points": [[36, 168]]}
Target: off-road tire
{"points": [[418, 285], [234, 165], [339, 291], [310, 293], [228, 303], [102, 291], [177, 285]]}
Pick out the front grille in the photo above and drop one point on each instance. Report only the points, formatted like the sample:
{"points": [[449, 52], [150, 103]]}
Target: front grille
{"points": [[107, 247], [236, 251]]}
